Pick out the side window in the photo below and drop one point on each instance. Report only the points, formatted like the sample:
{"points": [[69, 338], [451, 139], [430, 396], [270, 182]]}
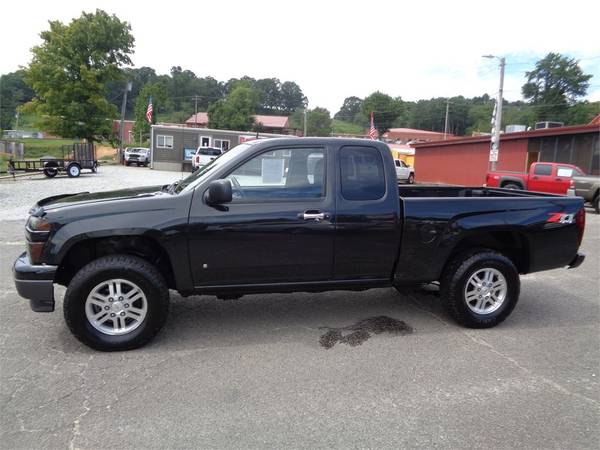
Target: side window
{"points": [[398, 163], [163, 141], [362, 173], [564, 172], [297, 173], [543, 169]]}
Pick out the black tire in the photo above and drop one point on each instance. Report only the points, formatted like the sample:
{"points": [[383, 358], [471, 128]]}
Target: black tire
{"points": [[514, 186], [455, 279], [411, 179], [127, 163], [73, 170], [95, 167], [50, 172], [138, 164], [596, 203], [125, 267]]}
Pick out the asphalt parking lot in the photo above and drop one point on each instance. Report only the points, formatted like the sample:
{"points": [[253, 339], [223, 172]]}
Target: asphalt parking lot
{"points": [[263, 371]]}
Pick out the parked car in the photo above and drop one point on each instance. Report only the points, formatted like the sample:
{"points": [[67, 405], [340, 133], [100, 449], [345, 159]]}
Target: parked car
{"points": [[587, 187], [554, 178], [204, 155], [287, 215], [137, 155], [404, 172]]}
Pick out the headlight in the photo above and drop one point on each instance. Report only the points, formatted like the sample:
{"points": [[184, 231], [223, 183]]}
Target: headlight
{"points": [[37, 229], [37, 232]]}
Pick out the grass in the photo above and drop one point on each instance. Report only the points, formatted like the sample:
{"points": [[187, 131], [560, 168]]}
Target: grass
{"points": [[4, 157], [36, 148], [342, 127], [28, 122]]}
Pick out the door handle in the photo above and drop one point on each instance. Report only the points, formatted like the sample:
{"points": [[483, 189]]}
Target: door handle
{"points": [[558, 179], [314, 215], [535, 178]]}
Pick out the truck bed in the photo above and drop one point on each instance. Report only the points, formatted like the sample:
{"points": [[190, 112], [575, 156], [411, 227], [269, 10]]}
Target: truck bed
{"points": [[438, 218]]}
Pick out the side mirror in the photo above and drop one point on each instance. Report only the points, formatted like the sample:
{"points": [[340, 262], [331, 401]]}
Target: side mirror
{"points": [[218, 192]]}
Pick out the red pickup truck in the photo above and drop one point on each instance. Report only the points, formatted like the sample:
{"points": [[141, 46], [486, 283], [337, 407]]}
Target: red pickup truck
{"points": [[549, 177]]}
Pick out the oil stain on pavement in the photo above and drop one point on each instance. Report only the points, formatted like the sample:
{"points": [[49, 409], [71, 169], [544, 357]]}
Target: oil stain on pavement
{"points": [[362, 330]]}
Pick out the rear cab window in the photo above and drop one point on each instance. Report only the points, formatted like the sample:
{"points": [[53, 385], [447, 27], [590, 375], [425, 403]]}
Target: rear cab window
{"points": [[362, 173]]}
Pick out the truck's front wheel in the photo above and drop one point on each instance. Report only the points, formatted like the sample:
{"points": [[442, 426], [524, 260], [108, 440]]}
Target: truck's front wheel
{"points": [[480, 290], [117, 302]]}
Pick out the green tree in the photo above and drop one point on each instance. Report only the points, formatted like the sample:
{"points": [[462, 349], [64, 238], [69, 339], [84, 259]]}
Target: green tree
{"points": [[318, 121], [351, 111], [385, 110], [158, 93], [269, 95], [236, 111], [554, 84], [70, 70], [292, 97], [14, 92]]}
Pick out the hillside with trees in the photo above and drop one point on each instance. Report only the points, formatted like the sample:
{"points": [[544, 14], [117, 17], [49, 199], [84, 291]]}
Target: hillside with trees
{"points": [[76, 79]]}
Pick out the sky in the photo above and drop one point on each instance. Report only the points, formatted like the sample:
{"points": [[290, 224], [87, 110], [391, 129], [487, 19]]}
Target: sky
{"points": [[334, 49]]}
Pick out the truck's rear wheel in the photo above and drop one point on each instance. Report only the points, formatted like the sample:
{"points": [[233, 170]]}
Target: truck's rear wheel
{"points": [[480, 289], [411, 179], [117, 302], [512, 186], [596, 203]]}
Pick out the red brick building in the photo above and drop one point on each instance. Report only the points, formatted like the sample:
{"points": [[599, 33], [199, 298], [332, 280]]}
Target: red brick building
{"points": [[465, 161]]}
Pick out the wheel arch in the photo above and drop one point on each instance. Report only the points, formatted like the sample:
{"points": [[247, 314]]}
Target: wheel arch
{"points": [[84, 251], [507, 180], [511, 243]]}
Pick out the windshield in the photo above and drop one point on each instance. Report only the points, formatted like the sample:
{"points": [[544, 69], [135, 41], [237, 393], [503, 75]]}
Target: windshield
{"points": [[191, 181]]}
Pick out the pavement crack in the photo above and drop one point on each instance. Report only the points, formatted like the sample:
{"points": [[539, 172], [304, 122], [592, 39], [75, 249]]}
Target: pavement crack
{"points": [[483, 343]]}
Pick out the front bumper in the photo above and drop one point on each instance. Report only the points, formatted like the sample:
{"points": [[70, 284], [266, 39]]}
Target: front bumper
{"points": [[35, 283], [579, 257]]}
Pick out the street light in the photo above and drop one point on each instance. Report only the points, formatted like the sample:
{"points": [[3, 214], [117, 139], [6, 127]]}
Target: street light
{"points": [[495, 147]]}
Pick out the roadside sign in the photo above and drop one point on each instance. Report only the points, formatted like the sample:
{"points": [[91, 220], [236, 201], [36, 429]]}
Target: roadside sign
{"points": [[493, 154]]}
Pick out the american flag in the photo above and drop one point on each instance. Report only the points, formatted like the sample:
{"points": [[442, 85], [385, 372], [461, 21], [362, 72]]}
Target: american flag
{"points": [[149, 111], [372, 131]]}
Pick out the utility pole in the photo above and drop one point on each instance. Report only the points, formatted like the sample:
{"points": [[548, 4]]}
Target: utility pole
{"points": [[195, 110], [446, 122], [305, 126], [495, 144], [122, 124]]}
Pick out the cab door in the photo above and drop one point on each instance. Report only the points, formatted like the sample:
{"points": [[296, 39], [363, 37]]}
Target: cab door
{"points": [[279, 228], [541, 178]]}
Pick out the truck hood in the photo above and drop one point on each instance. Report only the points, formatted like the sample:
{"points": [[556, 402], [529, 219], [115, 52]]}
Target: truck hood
{"points": [[58, 201]]}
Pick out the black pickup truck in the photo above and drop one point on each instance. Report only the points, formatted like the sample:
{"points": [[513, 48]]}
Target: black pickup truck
{"points": [[287, 215]]}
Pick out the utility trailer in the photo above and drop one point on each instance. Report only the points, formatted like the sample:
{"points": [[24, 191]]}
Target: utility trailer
{"points": [[75, 158]]}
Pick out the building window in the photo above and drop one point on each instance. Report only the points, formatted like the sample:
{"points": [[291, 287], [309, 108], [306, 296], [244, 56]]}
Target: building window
{"points": [[204, 141], [223, 144], [163, 141]]}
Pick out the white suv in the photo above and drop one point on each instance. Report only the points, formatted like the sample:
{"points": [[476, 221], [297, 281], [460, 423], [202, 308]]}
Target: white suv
{"points": [[204, 155], [137, 155]]}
